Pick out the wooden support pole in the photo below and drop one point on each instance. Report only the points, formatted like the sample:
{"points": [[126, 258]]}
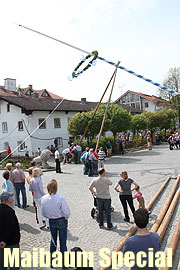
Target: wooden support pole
{"points": [[134, 227], [107, 106], [159, 219], [162, 229], [99, 103], [173, 243]]}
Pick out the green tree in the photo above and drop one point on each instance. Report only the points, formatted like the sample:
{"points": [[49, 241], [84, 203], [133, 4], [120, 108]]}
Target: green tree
{"points": [[78, 123], [120, 120], [138, 123], [172, 81], [167, 119]]}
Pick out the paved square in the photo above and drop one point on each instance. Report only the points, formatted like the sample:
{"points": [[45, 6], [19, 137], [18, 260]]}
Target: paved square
{"points": [[148, 168]]}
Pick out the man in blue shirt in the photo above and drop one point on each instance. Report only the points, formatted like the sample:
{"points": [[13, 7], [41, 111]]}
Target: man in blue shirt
{"points": [[143, 241]]}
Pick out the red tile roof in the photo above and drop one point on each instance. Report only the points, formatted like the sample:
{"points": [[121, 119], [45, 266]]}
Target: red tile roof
{"points": [[154, 98]]}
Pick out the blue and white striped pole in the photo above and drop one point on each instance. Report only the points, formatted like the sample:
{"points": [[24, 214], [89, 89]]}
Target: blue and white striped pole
{"points": [[107, 61]]}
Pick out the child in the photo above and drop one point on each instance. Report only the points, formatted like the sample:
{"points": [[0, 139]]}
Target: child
{"points": [[140, 198], [7, 185]]}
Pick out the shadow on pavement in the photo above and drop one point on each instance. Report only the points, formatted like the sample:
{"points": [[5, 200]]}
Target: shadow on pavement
{"points": [[71, 237], [28, 228]]}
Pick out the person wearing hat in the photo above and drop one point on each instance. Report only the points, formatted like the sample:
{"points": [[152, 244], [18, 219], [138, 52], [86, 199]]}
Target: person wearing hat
{"points": [[9, 227]]}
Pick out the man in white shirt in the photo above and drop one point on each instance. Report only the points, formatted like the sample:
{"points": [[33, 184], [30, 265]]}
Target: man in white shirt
{"points": [[56, 209], [57, 160]]}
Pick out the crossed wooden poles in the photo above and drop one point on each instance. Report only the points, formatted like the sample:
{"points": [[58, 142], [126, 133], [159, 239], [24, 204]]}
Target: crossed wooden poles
{"points": [[162, 220], [113, 77]]}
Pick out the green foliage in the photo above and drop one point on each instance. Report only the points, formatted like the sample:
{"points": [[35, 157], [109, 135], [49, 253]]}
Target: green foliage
{"points": [[167, 118], [120, 119], [117, 120], [172, 81], [138, 123], [3, 165]]}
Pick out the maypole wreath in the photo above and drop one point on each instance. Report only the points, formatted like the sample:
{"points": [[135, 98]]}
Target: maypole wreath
{"points": [[77, 72]]}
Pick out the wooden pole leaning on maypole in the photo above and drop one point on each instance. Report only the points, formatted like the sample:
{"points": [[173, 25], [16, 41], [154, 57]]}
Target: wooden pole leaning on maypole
{"points": [[107, 106], [134, 227], [99, 103], [160, 217]]}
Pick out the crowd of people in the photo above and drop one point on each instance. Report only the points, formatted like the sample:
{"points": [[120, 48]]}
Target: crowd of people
{"points": [[52, 210]]}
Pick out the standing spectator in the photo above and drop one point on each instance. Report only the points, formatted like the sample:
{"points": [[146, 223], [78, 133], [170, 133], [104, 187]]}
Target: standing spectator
{"points": [[95, 163], [39, 151], [108, 148], [9, 151], [7, 186], [92, 160], [100, 188], [101, 157], [120, 145], [125, 193], [36, 187], [149, 141], [52, 149], [28, 178], [18, 179], [78, 149], [177, 140], [26, 152], [55, 208], [9, 227], [57, 160], [83, 160], [143, 240], [9, 168]]}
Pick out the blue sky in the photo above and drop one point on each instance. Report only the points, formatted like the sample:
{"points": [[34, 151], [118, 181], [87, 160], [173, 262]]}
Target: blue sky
{"points": [[142, 34]]}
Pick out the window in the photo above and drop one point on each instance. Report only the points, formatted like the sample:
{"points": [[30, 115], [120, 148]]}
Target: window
{"points": [[21, 146], [20, 126], [146, 105], [137, 105], [43, 126], [8, 107], [57, 123], [133, 105], [58, 142], [45, 94], [4, 127]]}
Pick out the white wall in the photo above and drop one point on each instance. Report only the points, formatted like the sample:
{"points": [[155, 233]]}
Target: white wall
{"points": [[151, 107], [14, 135]]}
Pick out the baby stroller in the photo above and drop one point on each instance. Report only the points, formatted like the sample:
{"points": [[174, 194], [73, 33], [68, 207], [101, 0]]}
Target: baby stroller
{"points": [[94, 210]]}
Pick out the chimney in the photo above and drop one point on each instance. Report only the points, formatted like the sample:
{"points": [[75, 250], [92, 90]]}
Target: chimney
{"points": [[83, 100], [10, 84]]}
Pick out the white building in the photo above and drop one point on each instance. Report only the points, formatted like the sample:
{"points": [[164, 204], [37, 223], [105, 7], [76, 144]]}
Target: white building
{"points": [[22, 111], [141, 101]]}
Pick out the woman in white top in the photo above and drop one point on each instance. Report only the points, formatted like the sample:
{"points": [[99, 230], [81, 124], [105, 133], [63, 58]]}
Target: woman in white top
{"points": [[36, 187]]}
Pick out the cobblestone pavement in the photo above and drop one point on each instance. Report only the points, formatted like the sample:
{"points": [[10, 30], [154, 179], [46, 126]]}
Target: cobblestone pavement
{"points": [[148, 168]]}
